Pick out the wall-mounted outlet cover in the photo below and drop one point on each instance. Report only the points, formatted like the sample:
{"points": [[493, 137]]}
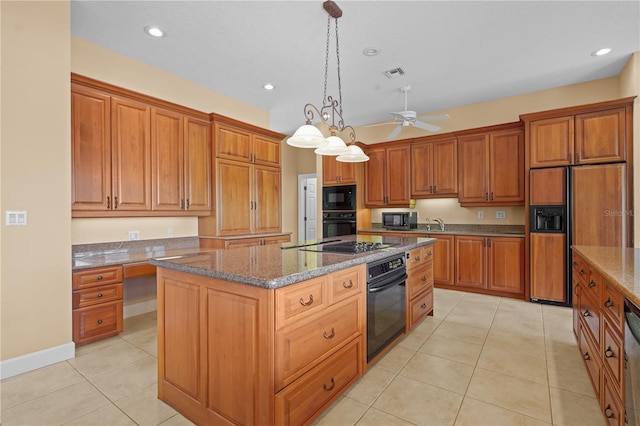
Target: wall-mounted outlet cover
{"points": [[480, 214], [134, 235], [500, 214], [170, 232], [16, 218]]}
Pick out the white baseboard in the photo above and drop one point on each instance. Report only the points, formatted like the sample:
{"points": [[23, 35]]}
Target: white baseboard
{"points": [[22, 364], [139, 308]]}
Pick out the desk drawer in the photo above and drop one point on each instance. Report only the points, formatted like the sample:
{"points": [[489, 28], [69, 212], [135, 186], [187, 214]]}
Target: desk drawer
{"points": [[94, 295], [98, 276], [96, 322]]}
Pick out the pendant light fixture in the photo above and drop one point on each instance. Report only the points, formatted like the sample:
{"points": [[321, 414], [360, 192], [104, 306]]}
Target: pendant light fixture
{"points": [[308, 135]]}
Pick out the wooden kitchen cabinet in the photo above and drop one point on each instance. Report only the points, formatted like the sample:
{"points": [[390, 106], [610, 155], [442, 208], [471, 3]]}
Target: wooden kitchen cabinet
{"points": [[181, 172], [337, 172], [491, 168], [235, 242], [548, 266], [588, 134], [387, 176], [235, 143], [471, 263], [434, 168], [443, 259], [419, 298], [97, 304]]}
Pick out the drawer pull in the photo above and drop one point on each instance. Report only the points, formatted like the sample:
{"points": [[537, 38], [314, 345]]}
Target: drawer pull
{"points": [[99, 277], [592, 284], [329, 336], [303, 303], [609, 353], [345, 285], [429, 253], [609, 303], [99, 321], [423, 306], [586, 314], [99, 294], [574, 263], [586, 356], [416, 258], [423, 278], [608, 412], [328, 388], [581, 273]]}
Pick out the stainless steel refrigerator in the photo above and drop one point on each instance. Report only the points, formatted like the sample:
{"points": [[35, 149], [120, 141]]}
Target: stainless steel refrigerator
{"points": [[578, 205]]}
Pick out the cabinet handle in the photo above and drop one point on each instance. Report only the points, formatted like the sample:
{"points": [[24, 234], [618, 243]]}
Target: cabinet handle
{"points": [[429, 253], [582, 272], [187, 204], [115, 202], [586, 314], [303, 303], [99, 321], [99, 277], [182, 204], [586, 356], [592, 284], [608, 412], [345, 285], [431, 189], [423, 306], [491, 198], [488, 242], [329, 336], [486, 196], [328, 388], [574, 263], [416, 258], [99, 294], [609, 353], [435, 189], [577, 157], [423, 278], [108, 202], [609, 303]]}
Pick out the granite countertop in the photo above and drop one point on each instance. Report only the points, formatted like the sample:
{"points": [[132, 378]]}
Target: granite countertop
{"points": [[455, 229], [272, 266], [620, 266]]}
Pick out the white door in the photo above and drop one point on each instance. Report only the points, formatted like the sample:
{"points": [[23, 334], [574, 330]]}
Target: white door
{"points": [[307, 216]]}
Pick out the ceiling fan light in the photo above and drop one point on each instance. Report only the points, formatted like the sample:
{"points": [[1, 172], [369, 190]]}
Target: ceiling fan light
{"points": [[355, 155], [306, 136], [334, 146]]}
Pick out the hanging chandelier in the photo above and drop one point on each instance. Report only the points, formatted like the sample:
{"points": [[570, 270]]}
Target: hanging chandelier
{"points": [[308, 135]]}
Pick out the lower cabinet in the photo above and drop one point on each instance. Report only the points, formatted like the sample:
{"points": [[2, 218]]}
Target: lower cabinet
{"points": [[419, 285], [598, 315], [230, 353], [97, 304], [243, 241]]}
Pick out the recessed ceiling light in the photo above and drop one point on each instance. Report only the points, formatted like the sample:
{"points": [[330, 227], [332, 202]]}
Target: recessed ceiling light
{"points": [[600, 52], [154, 31], [269, 86], [371, 51]]}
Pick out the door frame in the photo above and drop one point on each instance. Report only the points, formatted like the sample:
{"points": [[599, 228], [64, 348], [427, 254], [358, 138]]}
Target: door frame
{"points": [[302, 202]]}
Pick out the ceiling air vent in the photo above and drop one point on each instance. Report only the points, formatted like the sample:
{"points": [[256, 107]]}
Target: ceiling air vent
{"points": [[396, 72]]}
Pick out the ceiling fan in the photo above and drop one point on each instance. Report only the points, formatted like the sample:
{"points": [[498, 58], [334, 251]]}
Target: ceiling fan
{"points": [[409, 118]]}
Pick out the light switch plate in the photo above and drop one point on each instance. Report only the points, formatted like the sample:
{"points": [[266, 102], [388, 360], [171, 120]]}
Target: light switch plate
{"points": [[134, 235], [16, 218]]}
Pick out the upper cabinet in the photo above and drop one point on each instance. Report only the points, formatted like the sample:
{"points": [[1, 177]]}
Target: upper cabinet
{"points": [[387, 176], [337, 172], [133, 155], [587, 134], [491, 168], [434, 168], [239, 144]]}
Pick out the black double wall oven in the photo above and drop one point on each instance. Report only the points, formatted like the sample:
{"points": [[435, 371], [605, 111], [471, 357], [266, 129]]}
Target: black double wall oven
{"points": [[338, 210]]}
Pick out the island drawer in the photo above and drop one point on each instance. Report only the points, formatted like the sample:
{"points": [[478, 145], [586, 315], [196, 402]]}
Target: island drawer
{"points": [[419, 256], [420, 306], [590, 316], [98, 276], [580, 268], [593, 284], [298, 300], [96, 322], [418, 280], [94, 295], [298, 347], [346, 283], [613, 351], [613, 307], [298, 403], [591, 360]]}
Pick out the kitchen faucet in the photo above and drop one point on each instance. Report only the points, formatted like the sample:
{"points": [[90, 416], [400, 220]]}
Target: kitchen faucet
{"points": [[428, 225], [440, 222]]}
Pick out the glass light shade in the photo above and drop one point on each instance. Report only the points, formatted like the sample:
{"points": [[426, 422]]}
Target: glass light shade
{"points": [[306, 136], [355, 155], [334, 146]]}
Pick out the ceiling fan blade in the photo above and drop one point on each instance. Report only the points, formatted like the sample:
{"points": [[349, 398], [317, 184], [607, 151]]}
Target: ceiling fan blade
{"points": [[435, 117], [426, 126], [395, 132], [380, 124]]}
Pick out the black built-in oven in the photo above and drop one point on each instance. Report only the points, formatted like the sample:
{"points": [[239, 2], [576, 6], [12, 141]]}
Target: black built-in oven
{"points": [[386, 310], [339, 197], [335, 224]]}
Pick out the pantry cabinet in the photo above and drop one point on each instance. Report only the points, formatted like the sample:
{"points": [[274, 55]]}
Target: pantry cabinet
{"points": [[337, 172], [387, 176], [236, 143], [491, 168], [434, 168]]}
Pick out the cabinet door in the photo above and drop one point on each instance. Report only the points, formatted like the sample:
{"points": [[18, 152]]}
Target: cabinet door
{"points": [[547, 186], [197, 165], [422, 169], [266, 151], [267, 199], [375, 178], [445, 167], [348, 172], [234, 202], [232, 143], [548, 267], [443, 259], [472, 166], [90, 150], [506, 264], [551, 142], [470, 261], [167, 160], [398, 175], [131, 155], [600, 137], [506, 167], [330, 170]]}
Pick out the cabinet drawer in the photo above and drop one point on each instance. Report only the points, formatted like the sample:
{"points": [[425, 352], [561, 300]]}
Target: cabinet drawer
{"points": [[593, 285], [612, 406], [419, 280], [96, 322], [420, 306], [419, 256], [345, 284], [299, 402], [299, 347], [94, 277], [613, 307], [590, 356], [613, 353], [94, 295], [580, 268], [298, 300], [590, 317]]}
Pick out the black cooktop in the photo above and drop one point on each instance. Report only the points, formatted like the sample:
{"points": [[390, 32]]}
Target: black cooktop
{"points": [[348, 247]]}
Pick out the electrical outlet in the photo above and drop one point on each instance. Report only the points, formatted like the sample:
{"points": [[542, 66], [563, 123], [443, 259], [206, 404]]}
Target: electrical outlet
{"points": [[500, 214], [16, 218], [134, 235], [480, 214], [170, 232]]}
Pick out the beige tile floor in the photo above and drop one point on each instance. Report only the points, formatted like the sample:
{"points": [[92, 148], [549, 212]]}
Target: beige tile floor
{"points": [[481, 360]]}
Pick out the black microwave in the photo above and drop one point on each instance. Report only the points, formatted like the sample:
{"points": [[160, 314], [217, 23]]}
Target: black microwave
{"points": [[400, 220], [339, 197]]}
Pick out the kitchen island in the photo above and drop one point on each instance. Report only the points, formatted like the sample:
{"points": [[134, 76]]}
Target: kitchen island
{"points": [[264, 335]]}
